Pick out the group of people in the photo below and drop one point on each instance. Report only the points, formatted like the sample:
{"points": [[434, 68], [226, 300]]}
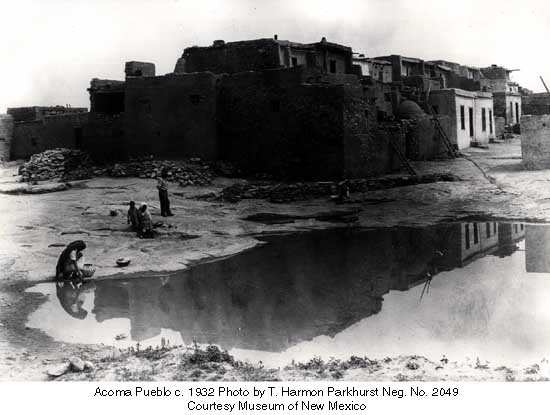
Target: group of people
{"points": [[140, 219], [70, 264]]}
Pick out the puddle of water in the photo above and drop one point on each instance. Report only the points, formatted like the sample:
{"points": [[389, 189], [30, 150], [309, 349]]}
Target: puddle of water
{"points": [[460, 290]]}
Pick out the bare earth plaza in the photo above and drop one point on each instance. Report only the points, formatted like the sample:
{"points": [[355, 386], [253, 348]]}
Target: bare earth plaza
{"points": [[274, 204]]}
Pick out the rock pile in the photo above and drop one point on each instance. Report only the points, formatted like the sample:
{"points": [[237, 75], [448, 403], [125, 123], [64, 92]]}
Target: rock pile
{"points": [[75, 165], [55, 163], [285, 192], [192, 172]]}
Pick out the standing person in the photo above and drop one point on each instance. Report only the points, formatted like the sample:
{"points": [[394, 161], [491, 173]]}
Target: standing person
{"points": [[133, 216], [145, 223], [71, 261], [162, 185]]}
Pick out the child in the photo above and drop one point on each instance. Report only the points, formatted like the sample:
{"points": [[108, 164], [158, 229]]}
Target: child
{"points": [[145, 223], [133, 216]]}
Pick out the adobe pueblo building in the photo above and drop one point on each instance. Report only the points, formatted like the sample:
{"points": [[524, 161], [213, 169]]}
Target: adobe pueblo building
{"points": [[307, 111]]}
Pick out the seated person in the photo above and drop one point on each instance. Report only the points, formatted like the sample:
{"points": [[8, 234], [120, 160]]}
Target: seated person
{"points": [[145, 223], [71, 261], [133, 216]]}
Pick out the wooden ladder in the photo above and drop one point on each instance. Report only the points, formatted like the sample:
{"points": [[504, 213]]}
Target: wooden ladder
{"points": [[446, 141], [404, 162]]}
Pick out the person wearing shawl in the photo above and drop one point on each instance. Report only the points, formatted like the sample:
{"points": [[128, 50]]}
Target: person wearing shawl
{"points": [[71, 261]]}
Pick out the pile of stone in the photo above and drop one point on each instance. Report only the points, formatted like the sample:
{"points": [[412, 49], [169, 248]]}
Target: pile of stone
{"points": [[56, 163], [192, 172], [289, 192], [277, 193]]}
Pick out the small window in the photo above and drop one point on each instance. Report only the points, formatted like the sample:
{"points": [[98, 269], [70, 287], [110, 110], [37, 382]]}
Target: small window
{"points": [[476, 234], [138, 73], [521, 226], [34, 142], [494, 227], [275, 105], [195, 99], [462, 118], [488, 229], [467, 235], [332, 66], [294, 61]]}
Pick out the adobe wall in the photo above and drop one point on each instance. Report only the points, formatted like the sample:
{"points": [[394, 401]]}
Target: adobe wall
{"points": [[104, 137], [500, 123], [269, 122], [535, 104], [6, 134], [171, 116], [52, 131], [366, 153], [535, 141], [232, 57]]}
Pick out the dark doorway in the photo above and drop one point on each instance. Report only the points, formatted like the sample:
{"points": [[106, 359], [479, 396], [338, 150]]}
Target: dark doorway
{"points": [[471, 120], [78, 137], [517, 113]]}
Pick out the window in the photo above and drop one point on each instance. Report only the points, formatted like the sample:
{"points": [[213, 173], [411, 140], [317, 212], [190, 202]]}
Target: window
{"points": [[476, 234], [483, 120], [275, 105], [488, 229], [511, 112], [332, 66], [521, 226], [490, 121], [195, 99], [471, 120], [387, 97], [467, 236], [517, 113], [494, 227], [294, 61], [462, 118]]}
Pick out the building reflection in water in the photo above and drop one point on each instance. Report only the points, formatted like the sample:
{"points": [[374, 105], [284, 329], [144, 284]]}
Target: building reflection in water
{"points": [[537, 248], [296, 287]]}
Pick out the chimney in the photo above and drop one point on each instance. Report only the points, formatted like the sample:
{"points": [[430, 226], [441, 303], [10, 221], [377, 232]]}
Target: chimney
{"points": [[219, 42], [275, 37], [323, 39]]}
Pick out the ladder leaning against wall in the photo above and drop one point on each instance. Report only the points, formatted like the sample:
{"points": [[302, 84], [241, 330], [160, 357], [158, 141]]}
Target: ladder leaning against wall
{"points": [[451, 151]]}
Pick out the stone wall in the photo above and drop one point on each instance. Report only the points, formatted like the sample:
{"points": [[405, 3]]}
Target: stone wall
{"points": [[6, 133], [52, 131], [535, 141]]}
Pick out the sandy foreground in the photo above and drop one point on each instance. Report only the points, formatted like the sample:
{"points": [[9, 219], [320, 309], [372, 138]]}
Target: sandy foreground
{"points": [[33, 226]]}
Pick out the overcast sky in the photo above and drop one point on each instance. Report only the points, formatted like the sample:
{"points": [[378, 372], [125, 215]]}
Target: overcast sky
{"points": [[52, 48]]}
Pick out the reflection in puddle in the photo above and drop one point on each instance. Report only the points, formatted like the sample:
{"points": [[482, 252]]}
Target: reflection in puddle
{"points": [[455, 289]]}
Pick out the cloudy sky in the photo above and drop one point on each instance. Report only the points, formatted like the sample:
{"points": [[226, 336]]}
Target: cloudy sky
{"points": [[52, 48]]}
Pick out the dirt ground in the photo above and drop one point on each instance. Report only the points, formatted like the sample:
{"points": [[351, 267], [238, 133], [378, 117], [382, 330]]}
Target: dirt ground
{"points": [[33, 227]]}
